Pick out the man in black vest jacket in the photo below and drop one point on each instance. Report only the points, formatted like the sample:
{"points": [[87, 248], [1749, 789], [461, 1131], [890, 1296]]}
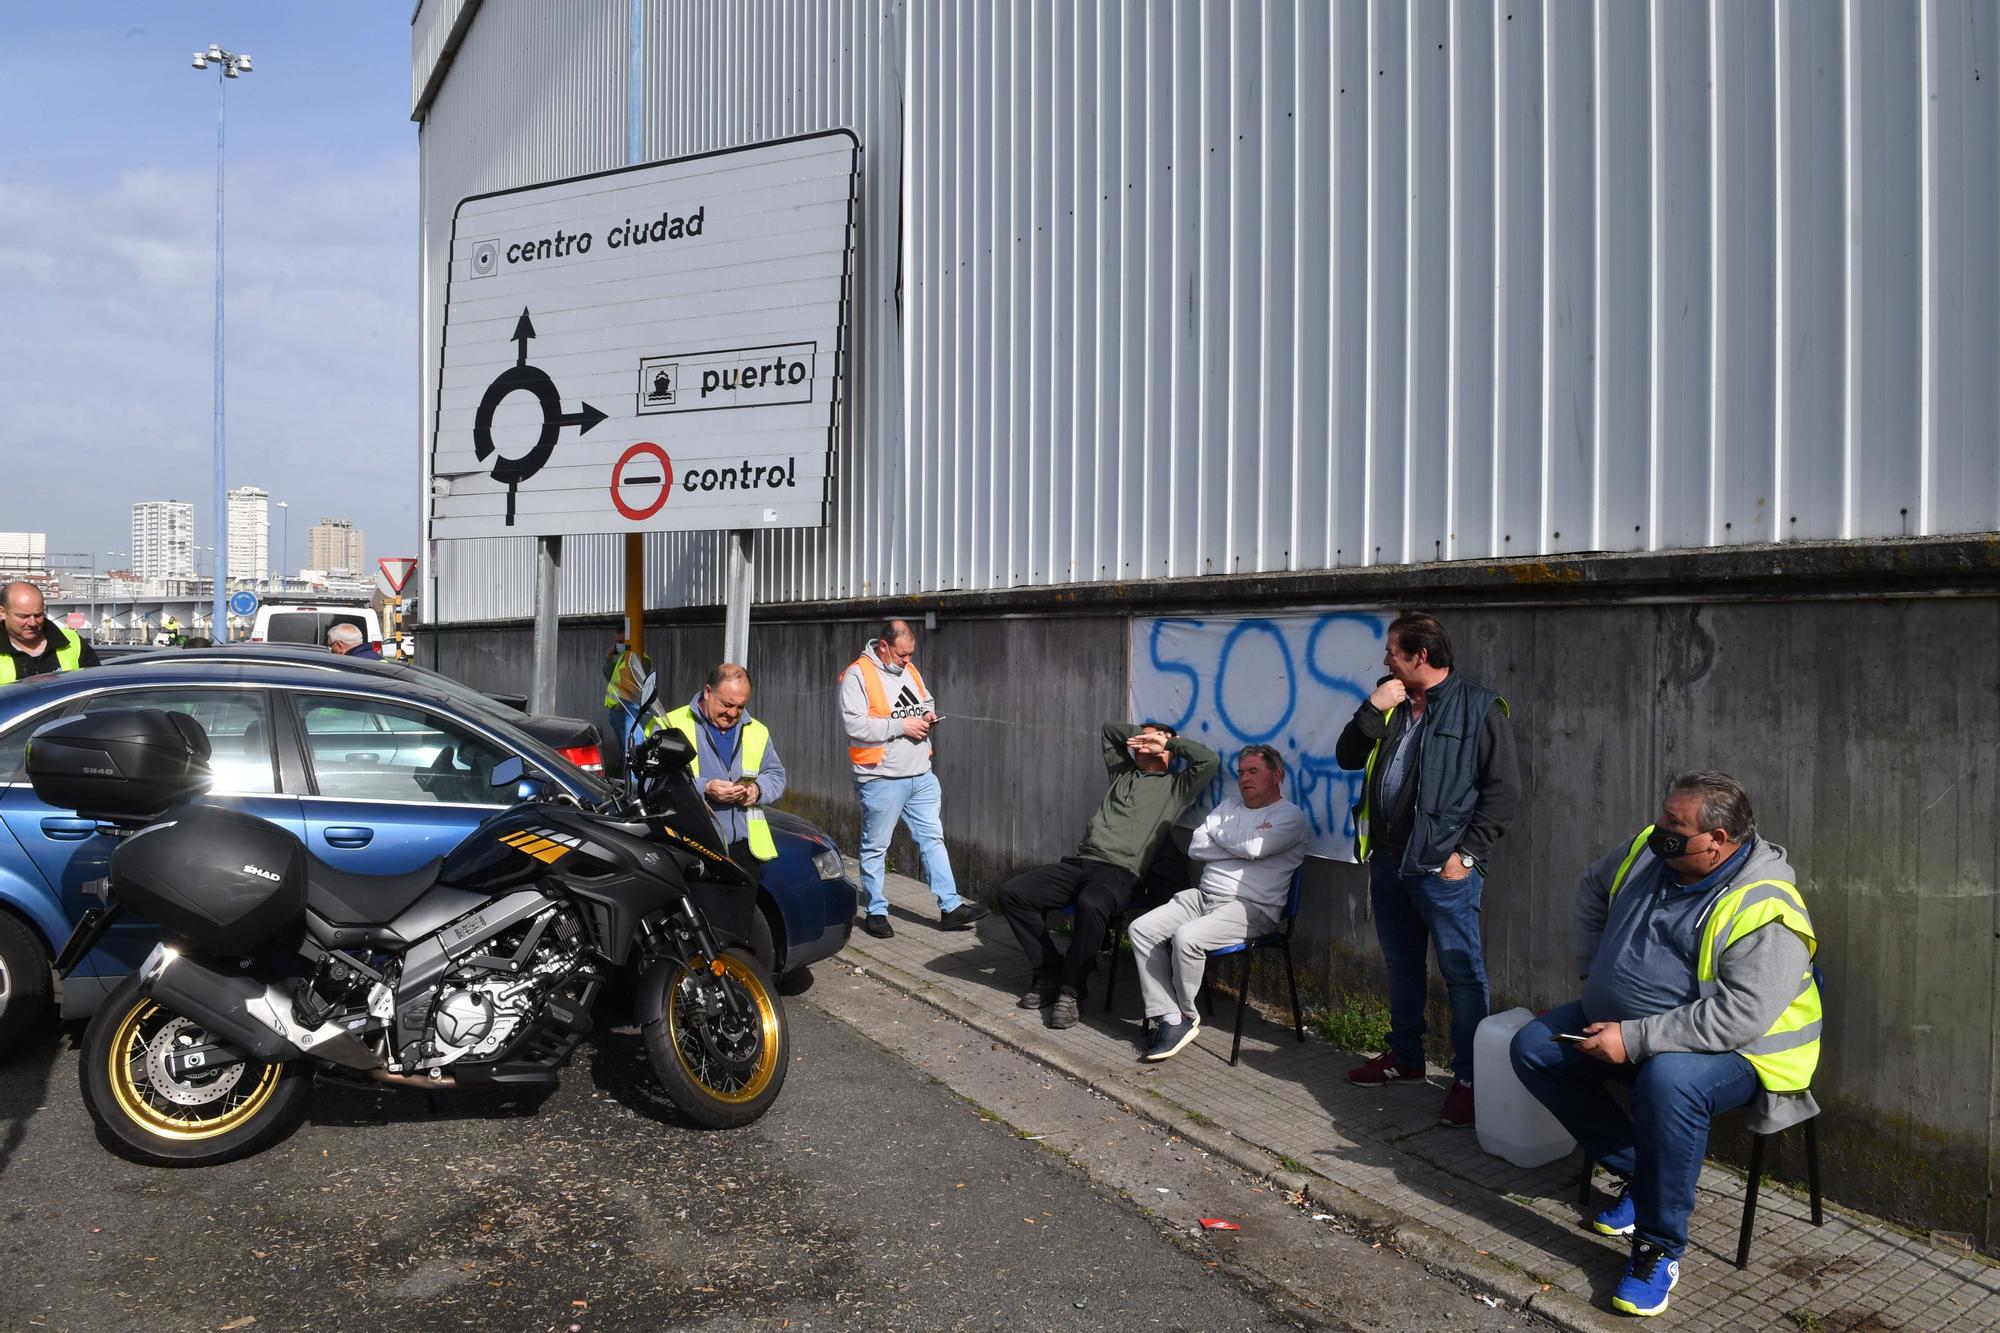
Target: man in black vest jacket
{"points": [[1439, 791]]}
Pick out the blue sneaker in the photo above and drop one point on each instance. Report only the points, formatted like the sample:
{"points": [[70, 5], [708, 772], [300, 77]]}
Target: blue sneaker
{"points": [[1619, 1218], [1173, 1034], [1649, 1276]]}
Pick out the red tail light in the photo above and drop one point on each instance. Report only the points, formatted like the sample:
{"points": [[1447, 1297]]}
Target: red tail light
{"points": [[586, 757]]}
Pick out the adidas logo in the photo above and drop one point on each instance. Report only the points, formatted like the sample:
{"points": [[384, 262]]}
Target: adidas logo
{"points": [[907, 704]]}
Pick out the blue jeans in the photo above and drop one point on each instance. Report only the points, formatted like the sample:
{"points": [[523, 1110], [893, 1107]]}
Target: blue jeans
{"points": [[1659, 1146], [915, 801], [1411, 912]]}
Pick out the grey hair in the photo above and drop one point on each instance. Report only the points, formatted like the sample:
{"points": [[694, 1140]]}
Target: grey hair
{"points": [[1724, 803], [346, 632], [1269, 755]]}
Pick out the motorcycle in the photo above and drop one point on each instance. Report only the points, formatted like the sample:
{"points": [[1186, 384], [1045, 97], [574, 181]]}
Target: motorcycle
{"points": [[478, 970]]}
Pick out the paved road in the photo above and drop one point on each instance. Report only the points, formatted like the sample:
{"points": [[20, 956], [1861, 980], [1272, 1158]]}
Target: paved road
{"points": [[871, 1196]]}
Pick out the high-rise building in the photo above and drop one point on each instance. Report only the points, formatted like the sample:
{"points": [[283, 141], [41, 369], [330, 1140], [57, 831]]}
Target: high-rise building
{"points": [[334, 544], [163, 540], [249, 534]]}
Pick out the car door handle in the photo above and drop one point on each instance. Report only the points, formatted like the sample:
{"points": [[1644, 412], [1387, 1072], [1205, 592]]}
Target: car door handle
{"points": [[69, 830], [348, 835]]}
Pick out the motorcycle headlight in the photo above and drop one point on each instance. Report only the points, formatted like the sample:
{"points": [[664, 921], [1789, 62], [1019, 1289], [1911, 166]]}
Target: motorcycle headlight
{"points": [[828, 864]]}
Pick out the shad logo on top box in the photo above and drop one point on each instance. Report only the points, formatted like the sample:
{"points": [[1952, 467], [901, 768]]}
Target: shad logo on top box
{"points": [[730, 377]]}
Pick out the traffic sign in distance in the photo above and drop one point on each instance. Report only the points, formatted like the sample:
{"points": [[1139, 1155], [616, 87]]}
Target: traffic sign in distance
{"points": [[243, 603], [396, 572]]}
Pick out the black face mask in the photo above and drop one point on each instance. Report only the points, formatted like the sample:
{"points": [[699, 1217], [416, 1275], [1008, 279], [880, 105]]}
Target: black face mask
{"points": [[1667, 845]]}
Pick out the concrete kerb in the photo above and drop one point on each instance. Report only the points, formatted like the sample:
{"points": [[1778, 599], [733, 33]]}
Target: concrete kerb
{"points": [[1438, 1249]]}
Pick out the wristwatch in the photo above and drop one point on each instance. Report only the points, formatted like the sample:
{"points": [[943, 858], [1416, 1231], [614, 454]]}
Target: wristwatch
{"points": [[1467, 861]]}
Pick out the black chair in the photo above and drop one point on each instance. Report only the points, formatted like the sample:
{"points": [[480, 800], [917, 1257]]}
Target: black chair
{"points": [[1757, 1142], [1280, 939]]}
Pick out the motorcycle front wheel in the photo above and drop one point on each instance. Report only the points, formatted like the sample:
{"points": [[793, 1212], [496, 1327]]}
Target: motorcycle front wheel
{"points": [[200, 1119], [722, 1069]]}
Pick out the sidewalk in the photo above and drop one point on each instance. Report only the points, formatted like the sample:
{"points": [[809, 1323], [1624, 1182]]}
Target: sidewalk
{"points": [[1378, 1156]]}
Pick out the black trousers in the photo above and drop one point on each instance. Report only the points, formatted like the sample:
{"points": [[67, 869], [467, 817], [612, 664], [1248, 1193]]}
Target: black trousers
{"points": [[1098, 891]]}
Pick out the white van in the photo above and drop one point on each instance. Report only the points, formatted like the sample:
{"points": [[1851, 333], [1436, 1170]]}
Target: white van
{"points": [[308, 623]]}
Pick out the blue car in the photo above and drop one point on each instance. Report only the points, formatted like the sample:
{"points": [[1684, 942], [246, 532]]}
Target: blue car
{"points": [[374, 775]]}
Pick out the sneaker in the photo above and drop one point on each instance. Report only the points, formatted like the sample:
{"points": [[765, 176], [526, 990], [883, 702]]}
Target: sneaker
{"points": [[1383, 1069], [1620, 1217], [1649, 1276], [963, 916], [1173, 1034], [1064, 1013], [1457, 1112], [1039, 996], [878, 925]]}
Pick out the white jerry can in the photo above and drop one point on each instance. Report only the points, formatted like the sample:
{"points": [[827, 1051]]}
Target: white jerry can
{"points": [[1512, 1124]]}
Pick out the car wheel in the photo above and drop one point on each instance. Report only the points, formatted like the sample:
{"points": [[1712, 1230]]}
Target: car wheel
{"points": [[24, 981]]}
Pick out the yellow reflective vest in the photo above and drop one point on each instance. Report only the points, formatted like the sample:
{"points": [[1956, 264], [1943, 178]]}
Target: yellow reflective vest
{"points": [[1786, 1056], [756, 738], [69, 657]]}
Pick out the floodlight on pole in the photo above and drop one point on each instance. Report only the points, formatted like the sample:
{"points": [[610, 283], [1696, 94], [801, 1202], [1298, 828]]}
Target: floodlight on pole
{"points": [[228, 65]]}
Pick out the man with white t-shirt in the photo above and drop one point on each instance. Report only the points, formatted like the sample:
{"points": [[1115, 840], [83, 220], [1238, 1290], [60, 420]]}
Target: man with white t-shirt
{"points": [[1247, 848]]}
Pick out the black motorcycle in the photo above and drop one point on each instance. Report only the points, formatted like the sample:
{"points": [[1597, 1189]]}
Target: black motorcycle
{"points": [[477, 970]]}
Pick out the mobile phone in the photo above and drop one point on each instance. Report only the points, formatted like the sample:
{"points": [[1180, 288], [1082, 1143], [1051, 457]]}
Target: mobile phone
{"points": [[1570, 1036], [937, 719]]}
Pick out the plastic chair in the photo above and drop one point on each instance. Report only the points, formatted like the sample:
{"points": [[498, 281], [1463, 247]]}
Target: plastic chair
{"points": [[1757, 1142], [1280, 939]]}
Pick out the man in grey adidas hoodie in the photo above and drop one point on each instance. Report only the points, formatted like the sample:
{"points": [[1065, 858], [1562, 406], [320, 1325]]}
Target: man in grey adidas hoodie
{"points": [[888, 713], [1698, 992]]}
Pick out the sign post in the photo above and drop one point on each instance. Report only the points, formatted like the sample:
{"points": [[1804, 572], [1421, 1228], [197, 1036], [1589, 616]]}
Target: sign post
{"points": [[393, 574], [658, 348]]}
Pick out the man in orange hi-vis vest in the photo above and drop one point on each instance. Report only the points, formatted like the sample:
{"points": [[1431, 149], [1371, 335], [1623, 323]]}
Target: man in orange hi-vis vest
{"points": [[889, 713]]}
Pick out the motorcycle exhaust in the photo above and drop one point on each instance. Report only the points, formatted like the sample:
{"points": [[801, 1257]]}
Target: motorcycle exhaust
{"points": [[216, 1000], [411, 1080]]}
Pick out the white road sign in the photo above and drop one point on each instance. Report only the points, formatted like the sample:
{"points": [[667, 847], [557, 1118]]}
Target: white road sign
{"points": [[659, 348]]}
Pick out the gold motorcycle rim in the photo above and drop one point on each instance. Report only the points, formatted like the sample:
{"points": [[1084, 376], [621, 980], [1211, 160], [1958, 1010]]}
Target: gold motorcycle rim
{"points": [[726, 1081], [146, 1106]]}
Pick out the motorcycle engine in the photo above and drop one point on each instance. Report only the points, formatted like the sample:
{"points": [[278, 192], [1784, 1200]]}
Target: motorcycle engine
{"points": [[484, 1000]]}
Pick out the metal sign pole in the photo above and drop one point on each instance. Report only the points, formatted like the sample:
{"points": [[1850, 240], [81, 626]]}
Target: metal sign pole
{"points": [[548, 587], [736, 599]]}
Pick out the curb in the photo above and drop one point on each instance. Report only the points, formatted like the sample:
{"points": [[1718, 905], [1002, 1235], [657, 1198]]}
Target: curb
{"points": [[1438, 1249]]}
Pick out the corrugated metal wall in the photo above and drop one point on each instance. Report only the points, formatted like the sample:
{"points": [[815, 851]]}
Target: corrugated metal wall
{"points": [[1192, 288]]}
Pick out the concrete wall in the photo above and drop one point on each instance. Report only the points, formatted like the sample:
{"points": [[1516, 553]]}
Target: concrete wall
{"points": [[1865, 729]]}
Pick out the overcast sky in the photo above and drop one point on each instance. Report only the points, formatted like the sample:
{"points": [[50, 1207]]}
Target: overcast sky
{"points": [[107, 253]]}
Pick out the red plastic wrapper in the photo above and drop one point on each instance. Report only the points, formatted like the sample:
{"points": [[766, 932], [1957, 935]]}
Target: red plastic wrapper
{"points": [[1217, 1224]]}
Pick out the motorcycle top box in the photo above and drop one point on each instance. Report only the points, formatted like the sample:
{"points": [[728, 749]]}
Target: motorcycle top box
{"points": [[122, 764], [219, 880]]}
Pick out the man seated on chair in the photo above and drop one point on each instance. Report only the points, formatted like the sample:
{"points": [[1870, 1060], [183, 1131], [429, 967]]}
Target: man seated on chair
{"points": [[1698, 992], [1247, 849], [1147, 794]]}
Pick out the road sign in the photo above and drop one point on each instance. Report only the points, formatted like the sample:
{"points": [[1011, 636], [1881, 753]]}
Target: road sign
{"points": [[658, 348], [395, 573], [243, 603], [76, 620]]}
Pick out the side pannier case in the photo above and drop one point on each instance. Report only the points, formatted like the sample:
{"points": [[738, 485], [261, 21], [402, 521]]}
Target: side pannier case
{"points": [[218, 880]]}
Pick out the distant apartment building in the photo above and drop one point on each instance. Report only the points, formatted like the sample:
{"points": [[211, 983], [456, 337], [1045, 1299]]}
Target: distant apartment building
{"points": [[249, 534], [23, 552], [163, 540], [334, 545]]}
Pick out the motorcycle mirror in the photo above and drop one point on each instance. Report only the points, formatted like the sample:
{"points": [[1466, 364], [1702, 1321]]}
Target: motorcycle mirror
{"points": [[673, 748], [509, 771]]}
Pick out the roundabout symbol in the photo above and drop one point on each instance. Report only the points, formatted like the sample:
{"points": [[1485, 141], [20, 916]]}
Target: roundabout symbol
{"points": [[524, 378]]}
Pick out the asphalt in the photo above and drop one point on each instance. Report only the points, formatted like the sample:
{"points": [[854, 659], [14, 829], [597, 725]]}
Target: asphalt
{"points": [[870, 1196]]}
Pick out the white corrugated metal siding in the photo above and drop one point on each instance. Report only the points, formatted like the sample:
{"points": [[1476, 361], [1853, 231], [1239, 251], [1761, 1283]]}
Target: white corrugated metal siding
{"points": [[1218, 287]]}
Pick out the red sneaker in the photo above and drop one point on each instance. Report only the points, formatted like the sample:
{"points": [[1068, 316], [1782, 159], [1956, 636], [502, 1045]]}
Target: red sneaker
{"points": [[1384, 1069], [1457, 1112]]}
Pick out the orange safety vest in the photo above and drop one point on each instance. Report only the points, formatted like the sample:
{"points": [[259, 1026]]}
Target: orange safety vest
{"points": [[878, 703]]}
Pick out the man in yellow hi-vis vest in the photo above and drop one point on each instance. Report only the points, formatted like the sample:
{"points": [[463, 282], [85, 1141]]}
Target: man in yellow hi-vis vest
{"points": [[32, 646], [1699, 993], [736, 766]]}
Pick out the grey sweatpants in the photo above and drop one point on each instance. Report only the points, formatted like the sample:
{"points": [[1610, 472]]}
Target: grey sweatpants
{"points": [[1171, 944]]}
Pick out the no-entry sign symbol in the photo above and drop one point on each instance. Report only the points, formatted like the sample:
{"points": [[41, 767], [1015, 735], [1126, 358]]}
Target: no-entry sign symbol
{"points": [[640, 495]]}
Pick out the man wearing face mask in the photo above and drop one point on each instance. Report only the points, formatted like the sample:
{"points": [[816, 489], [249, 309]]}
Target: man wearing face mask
{"points": [[1698, 993]]}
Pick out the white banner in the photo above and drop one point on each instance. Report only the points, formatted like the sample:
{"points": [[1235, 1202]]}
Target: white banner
{"points": [[1290, 682]]}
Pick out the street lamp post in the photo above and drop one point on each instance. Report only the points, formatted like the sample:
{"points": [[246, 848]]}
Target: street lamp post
{"points": [[113, 616], [228, 65]]}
